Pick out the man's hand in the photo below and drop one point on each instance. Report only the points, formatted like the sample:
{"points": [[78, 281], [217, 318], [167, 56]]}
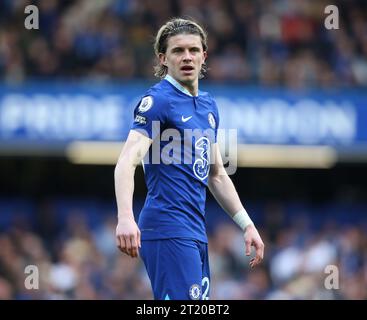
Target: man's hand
{"points": [[252, 238], [128, 237]]}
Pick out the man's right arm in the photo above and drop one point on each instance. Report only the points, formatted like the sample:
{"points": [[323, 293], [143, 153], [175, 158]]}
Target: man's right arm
{"points": [[127, 231]]}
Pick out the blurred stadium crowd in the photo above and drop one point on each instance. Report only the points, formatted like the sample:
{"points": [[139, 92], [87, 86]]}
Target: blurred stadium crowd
{"points": [[78, 258], [263, 42]]}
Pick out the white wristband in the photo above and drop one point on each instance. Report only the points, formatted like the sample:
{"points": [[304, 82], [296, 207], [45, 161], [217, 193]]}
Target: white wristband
{"points": [[242, 219]]}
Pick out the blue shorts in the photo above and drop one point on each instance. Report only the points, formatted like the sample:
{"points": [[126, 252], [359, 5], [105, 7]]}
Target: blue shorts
{"points": [[178, 268]]}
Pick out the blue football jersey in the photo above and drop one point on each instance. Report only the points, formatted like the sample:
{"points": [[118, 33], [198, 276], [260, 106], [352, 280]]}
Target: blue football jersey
{"points": [[176, 168]]}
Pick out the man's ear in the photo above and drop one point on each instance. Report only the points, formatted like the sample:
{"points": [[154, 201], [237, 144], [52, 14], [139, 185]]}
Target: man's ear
{"points": [[205, 54], [162, 59]]}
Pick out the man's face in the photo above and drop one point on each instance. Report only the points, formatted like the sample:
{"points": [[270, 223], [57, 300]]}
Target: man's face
{"points": [[184, 57]]}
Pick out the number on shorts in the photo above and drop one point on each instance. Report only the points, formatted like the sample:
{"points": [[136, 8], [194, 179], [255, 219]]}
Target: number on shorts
{"points": [[205, 282]]}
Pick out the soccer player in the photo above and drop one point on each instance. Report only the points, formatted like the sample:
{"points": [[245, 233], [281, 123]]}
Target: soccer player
{"points": [[178, 166]]}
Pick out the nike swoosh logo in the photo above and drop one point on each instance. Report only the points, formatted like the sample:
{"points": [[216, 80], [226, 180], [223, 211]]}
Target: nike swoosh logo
{"points": [[185, 119]]}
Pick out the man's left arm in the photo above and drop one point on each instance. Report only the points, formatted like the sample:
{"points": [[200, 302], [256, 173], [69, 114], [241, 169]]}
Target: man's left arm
{"points": [[224, 191]]}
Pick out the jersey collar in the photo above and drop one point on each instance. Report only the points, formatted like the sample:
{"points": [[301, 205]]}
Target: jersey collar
{"points": [[172, 81]]}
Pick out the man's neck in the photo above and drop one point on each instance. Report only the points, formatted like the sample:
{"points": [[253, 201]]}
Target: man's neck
{"points": [[192, 89], [189, 90]]}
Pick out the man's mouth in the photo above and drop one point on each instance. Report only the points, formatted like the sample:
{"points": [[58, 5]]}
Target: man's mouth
{"points": [[187, 68]]}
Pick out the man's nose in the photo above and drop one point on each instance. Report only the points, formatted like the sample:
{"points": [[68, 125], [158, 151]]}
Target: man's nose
{"points": [[187, 55]]}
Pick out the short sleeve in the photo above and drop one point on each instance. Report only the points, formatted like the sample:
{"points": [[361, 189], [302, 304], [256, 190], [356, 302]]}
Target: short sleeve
{"points": [[150, 116]]}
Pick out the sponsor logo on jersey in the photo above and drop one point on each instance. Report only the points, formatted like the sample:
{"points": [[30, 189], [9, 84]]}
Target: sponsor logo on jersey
{"points": [[140, 119], [202, 153]]}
